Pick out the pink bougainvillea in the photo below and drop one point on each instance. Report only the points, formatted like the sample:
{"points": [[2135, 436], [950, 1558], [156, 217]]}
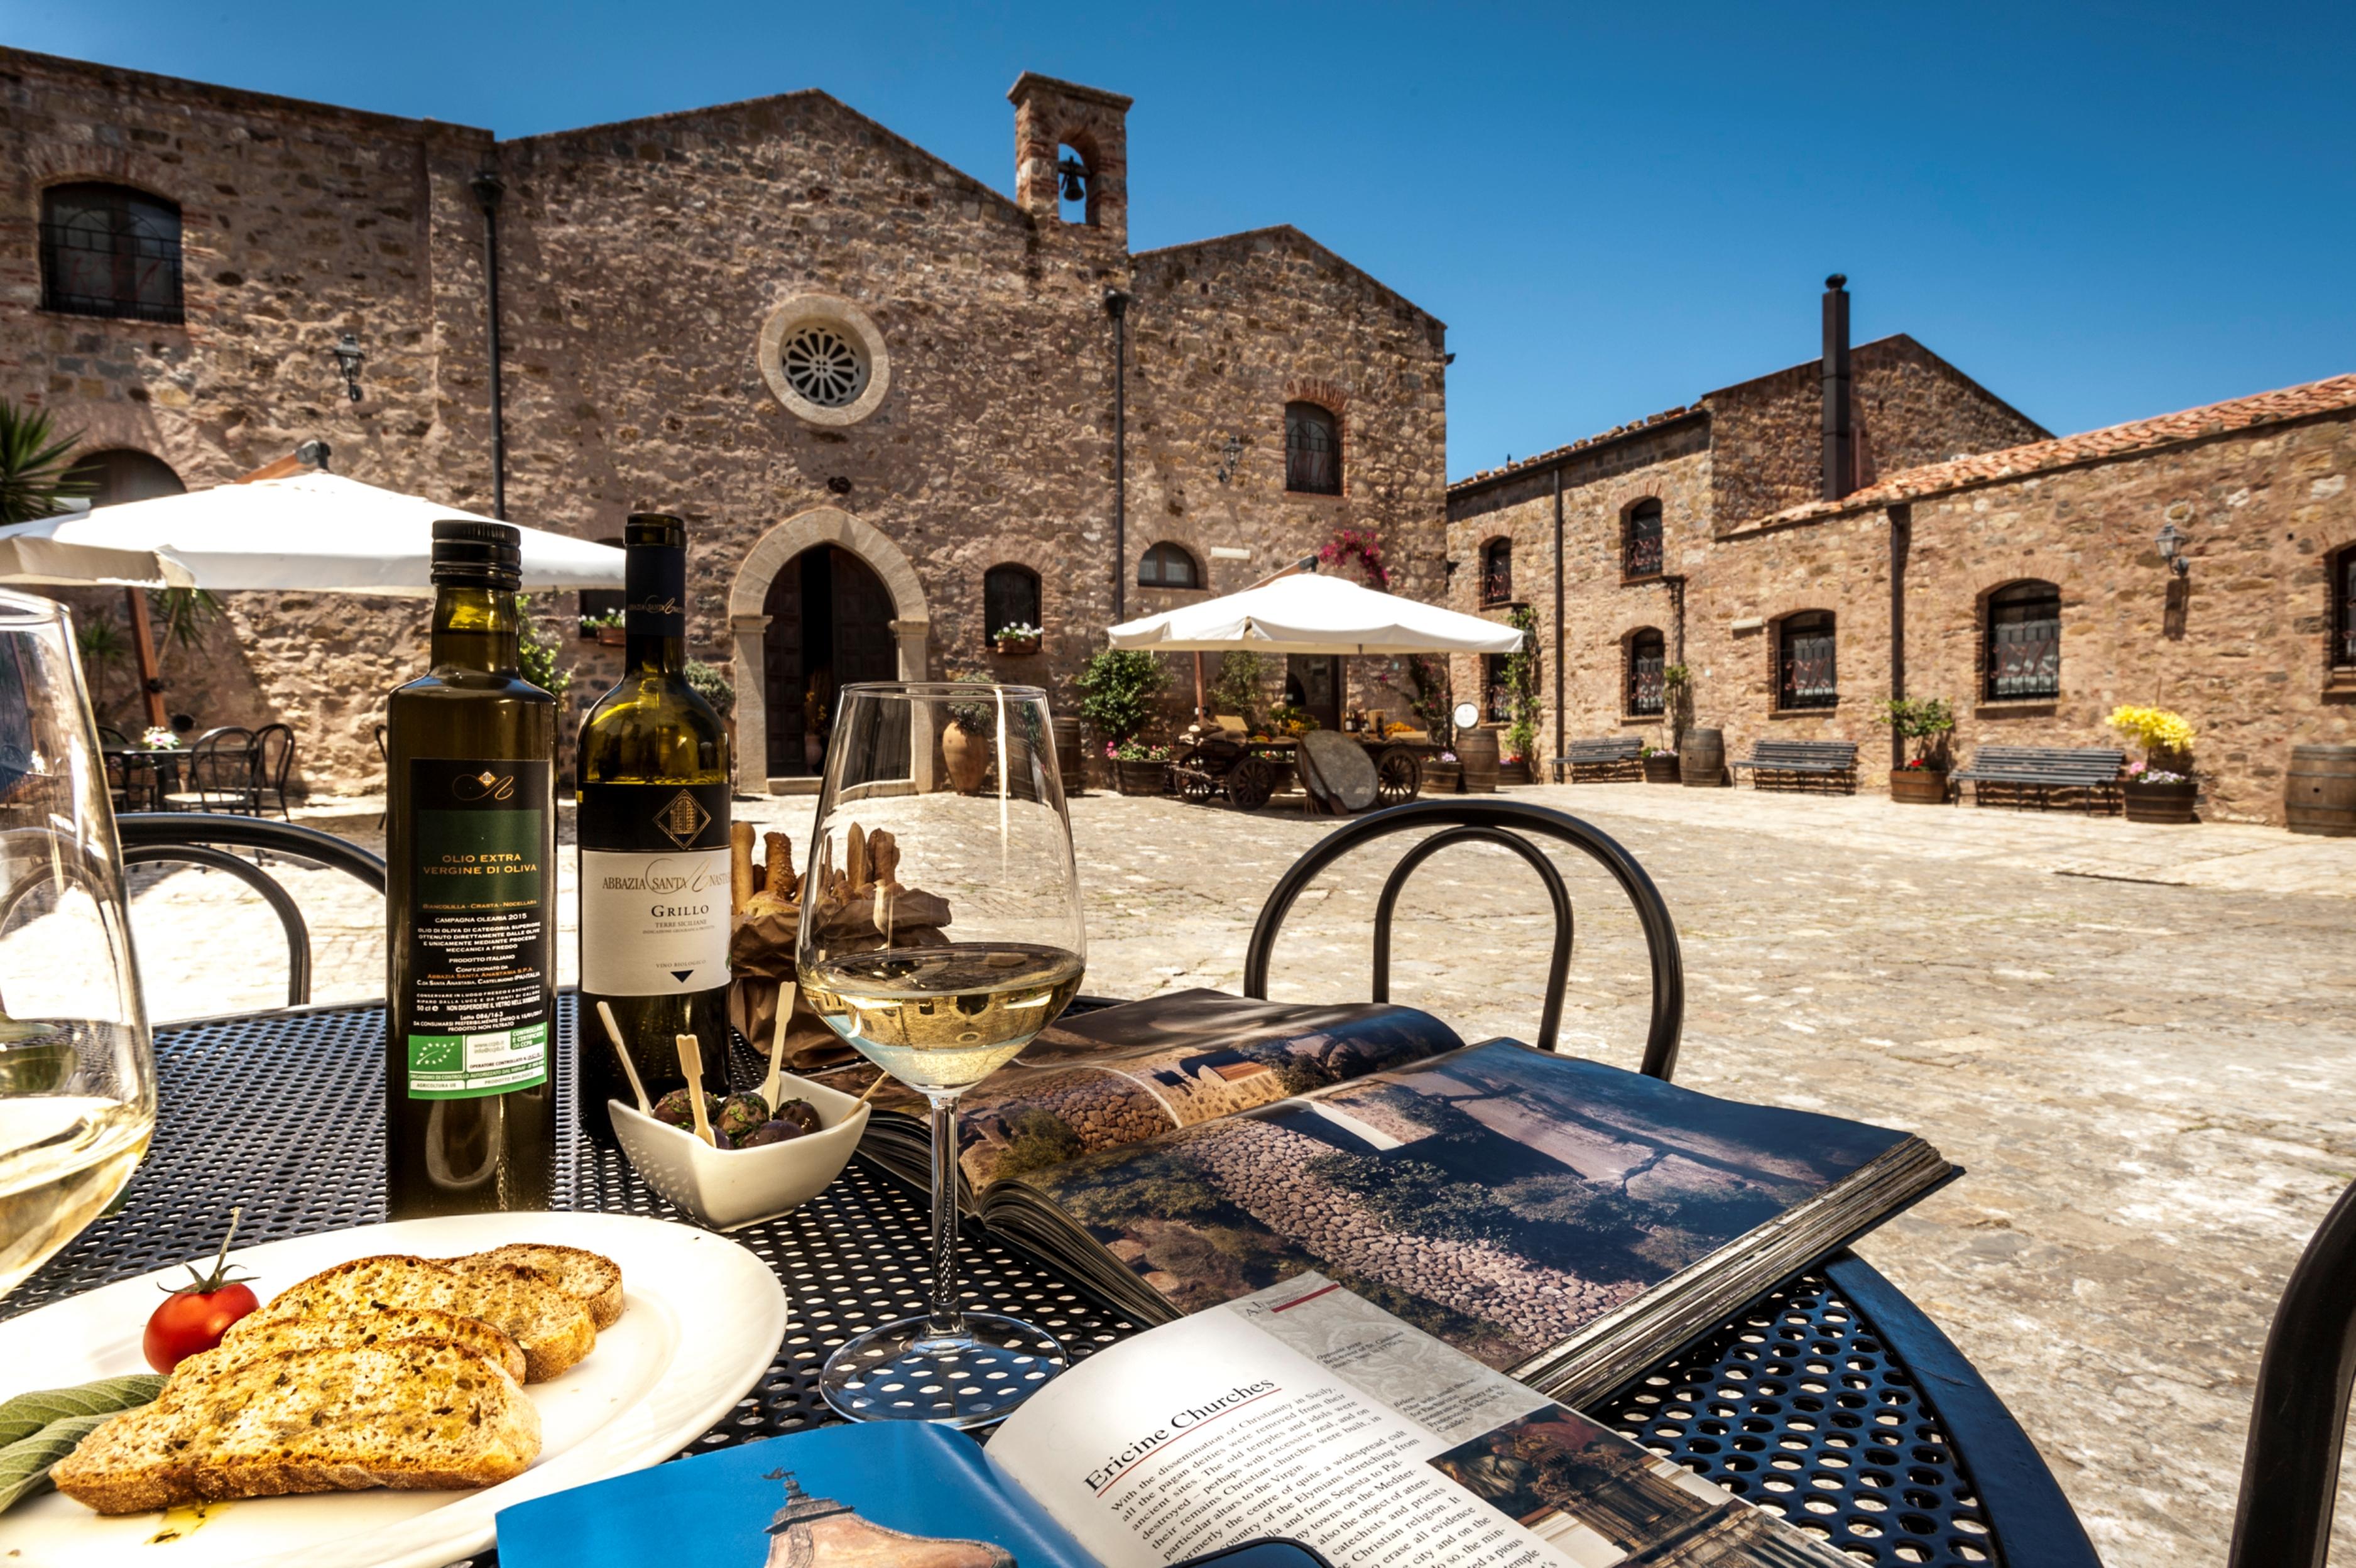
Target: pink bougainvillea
{"points": [[1361, 546]]}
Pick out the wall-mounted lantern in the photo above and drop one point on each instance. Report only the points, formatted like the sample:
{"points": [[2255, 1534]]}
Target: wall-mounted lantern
{"points": [[2171, 542], [348, 358], [1231, 457]]}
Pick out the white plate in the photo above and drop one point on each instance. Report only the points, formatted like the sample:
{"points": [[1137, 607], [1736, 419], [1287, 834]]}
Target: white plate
{"points": [[704, 1319]]}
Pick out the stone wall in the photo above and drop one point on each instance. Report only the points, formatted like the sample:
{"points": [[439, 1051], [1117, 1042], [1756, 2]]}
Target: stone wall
{"points": [[639, 264], [2239, 647]]}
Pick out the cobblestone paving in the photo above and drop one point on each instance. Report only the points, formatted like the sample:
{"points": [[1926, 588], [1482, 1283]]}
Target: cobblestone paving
{"points": [[2138, 1040]]}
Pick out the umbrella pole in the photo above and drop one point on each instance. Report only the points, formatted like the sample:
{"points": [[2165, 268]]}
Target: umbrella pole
{"points": [[142, 642], [1199, 714]]}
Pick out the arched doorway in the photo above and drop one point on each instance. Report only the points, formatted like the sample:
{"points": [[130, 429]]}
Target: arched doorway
{"points": [[819, 589], [829, 625]]}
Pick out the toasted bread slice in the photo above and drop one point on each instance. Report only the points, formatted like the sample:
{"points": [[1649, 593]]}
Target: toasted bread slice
{"points": [[413, 1414], [589, 1278], [253, 1337], [549, 1327]]}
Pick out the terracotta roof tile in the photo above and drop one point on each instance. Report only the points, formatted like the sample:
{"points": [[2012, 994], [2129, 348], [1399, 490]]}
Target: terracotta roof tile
{"points": [[2116, 441], [1542, 459]]}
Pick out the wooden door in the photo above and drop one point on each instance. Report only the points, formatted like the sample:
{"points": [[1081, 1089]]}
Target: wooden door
{"points": [[1313, 681], [784, 677]]}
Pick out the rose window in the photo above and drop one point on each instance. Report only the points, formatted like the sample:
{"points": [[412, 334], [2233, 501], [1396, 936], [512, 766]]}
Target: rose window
{"points": [[824, 365]]}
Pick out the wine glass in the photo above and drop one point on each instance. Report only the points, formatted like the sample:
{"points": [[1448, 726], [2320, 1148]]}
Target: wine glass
{"points": [[940, 933], [77, 1068]]}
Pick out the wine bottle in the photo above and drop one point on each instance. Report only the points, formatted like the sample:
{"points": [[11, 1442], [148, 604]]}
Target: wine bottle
{"points": [[470, 902], [654, 844]]}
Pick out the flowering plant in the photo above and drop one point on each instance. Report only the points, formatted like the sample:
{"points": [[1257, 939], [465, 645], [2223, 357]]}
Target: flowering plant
{"points": [[1361, 546], [1649, 751], [1016, 633], [1919, 766], [1134, 751], [2142, 772], [159, 737], [2164, 736], [1928, 722], [1447, 756]]}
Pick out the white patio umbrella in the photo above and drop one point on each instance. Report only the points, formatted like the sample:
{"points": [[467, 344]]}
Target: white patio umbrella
{"points": [[314, 532], [1308, 613]]}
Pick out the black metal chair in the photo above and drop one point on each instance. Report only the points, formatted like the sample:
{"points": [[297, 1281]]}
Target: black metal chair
{"points": [[1500, 822], [273, 755], [220, 773], [194, 839]]}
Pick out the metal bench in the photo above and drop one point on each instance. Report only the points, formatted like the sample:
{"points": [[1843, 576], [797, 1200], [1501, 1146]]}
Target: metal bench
{"points": [[2024, 775], [1613, 759], [1803, 764]]}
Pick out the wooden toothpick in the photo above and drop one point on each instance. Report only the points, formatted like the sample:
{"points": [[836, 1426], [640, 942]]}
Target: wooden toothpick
{"points": [[630, 1068], [690, 1063]]}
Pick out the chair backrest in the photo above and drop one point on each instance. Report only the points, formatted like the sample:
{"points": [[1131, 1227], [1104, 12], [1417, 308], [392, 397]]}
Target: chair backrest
{"points": [[1500, 822], [273, 754], [221, 760], [108, 735], [2291, 1470]]}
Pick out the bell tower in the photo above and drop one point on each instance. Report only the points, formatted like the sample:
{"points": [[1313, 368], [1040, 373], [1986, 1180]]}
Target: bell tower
{"points": [[1071, 156]]}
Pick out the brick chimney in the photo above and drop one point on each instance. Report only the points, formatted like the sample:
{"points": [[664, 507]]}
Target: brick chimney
{"points": [[1050, 115], [1841, 437]]}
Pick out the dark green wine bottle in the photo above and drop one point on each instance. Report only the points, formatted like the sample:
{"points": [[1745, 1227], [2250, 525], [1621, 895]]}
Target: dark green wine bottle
{"points": [[470, 902], [654, 845]]}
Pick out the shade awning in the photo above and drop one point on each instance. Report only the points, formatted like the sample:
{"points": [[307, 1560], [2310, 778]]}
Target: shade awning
{"points": [[1309, 614], [307, 532]]}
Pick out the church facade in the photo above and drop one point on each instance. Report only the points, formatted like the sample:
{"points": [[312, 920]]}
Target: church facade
{"points": [[899, 409]]}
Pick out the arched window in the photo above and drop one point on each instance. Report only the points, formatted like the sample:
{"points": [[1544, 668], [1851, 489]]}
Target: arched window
{"points": [[1640, 542], [119, 474], [1497, 571], [1010, 597], [1806, 676], [1648, 657], [107, 249], [1168, 565], [2024, 642], [1312, 450], [2343, 608]]}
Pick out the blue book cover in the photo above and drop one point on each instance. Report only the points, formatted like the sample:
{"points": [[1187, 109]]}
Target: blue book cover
{"points": [[888, 1491]]}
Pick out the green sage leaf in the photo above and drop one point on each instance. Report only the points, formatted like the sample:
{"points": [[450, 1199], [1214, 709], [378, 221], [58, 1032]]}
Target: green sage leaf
{"points": [[25, 1464], [27, 1413]]}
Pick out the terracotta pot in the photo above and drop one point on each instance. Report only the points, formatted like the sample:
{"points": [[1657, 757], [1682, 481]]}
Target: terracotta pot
{"points": [[1015, 647], [967, 757], [611, 636], [2170, 804], [1142, 778], [1660, 770], [813, 751], [1919, 786]]}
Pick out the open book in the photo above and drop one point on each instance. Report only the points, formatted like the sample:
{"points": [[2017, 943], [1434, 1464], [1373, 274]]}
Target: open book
{"points": [[1302, 1413], [1560, 1219]]}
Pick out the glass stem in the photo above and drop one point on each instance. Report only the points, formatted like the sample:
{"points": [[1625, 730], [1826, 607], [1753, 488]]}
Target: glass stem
{"points": [[948, 1316]]}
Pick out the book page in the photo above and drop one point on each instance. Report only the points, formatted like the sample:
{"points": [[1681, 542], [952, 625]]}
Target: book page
{"points": [[1306, 1412]]}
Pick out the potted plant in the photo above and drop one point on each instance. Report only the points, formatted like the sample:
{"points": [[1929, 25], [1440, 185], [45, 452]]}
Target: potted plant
{"points": [[1015, 640], [2160, 786], [1522, 702], [817, 716], [715, 689], [1117, 694], [606, 630], [1660, 764], [966, 739], [1443, 774], [1141, 769], [1927, 723]]}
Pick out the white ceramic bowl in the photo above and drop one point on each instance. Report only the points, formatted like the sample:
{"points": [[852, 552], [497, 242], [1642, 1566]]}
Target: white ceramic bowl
{"points": [[727, 1189]]}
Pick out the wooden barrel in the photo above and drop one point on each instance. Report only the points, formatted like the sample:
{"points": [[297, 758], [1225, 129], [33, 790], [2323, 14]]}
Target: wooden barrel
{"points": [[1070, 765], [1476, 750], [2319, 793], [1701, 759]]}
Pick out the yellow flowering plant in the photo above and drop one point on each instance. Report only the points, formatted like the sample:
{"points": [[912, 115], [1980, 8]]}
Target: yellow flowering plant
{"points": [[2163, 735]]}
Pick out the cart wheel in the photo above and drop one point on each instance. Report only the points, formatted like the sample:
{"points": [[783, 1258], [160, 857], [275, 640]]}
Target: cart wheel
{"points": [[1197, 787], [1399, 776], [1251, 783]]}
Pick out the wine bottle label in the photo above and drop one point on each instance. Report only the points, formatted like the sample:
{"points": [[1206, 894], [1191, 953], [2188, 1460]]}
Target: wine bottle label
{"points": [[654, 889], [482, 988], [654, 592]]}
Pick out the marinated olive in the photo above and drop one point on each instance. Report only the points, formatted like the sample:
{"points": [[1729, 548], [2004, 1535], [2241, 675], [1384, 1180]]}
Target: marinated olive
{"points": [[678, 1111], [769, 1133], [739, 1115], [801, 1112]]}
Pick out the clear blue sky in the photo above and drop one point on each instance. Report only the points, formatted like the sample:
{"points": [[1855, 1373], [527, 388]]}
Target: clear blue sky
{"points": [[2101, 211]]}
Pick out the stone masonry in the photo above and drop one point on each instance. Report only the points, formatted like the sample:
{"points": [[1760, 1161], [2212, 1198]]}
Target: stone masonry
{"points": [[643, 271]]}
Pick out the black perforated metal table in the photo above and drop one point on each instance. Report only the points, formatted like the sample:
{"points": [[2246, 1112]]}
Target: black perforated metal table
{"points": [[1833, 1401]]}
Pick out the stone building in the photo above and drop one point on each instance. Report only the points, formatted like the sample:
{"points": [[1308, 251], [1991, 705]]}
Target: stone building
{"points": [[899, 409], [1873, 523]]}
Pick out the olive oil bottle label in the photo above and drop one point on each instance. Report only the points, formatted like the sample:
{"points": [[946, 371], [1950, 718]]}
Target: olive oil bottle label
{"points": [[654, 889], [481, 985]]}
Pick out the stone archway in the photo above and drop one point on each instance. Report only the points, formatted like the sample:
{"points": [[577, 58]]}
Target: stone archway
{"points": [[749, 618]]}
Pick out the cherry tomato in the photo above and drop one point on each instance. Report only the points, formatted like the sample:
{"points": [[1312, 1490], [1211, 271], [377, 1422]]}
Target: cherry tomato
{"points": [[195, 1316]]}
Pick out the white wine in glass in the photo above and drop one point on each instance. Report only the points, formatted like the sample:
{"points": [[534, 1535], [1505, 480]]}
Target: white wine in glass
{"points": [[77, 1068], [940, 933]]}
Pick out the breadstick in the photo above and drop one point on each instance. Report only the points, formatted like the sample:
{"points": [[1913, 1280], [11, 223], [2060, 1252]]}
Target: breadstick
{"points": [[740, 866], [778, 880]]}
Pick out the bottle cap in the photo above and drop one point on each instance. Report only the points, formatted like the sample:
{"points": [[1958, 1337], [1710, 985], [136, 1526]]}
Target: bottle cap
{"points": [[469, 554]]}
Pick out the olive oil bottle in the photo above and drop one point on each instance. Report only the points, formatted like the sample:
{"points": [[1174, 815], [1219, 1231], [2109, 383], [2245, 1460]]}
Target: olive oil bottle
{"points": [[470, 902], [654, 843]]}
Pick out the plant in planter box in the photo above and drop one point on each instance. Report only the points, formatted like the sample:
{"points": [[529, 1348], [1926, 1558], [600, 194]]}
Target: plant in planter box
{"points": [[1660, 763], [2161, 786], [605, 628], [1928, 725], [1017, 638], [1119, 687]]}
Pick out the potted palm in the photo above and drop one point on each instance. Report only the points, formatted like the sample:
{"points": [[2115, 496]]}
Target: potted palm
{"points": [[2159, 786], [1927, 723]]}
